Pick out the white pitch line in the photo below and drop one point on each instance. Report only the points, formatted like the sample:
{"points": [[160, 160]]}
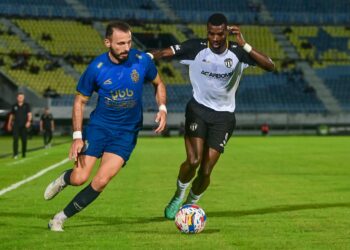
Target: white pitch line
{"points": [[28, 158], [40, 173]]}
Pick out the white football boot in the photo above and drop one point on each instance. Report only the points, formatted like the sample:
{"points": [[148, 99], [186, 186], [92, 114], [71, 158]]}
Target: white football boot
{"points": [[56, 225], [55, 187]]}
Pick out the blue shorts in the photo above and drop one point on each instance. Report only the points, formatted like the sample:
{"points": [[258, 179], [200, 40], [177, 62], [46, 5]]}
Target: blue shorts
{"points": [[98, 140]]}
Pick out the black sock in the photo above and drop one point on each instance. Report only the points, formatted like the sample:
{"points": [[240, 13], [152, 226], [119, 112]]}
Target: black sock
{"points": [[67, 175], [81, 200]]}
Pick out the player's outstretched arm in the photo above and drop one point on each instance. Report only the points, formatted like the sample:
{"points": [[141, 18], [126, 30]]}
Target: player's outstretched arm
{"points": [[77, 117], [262, 60], [161, 101], [161, 53]]}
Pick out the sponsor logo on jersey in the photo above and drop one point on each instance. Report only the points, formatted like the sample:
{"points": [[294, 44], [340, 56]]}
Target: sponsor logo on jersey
{"points": [[135, 76], [193, 126], [228, 62], [108, 81], [217, 75], [99, 65], [205, 61], [121, 94]]}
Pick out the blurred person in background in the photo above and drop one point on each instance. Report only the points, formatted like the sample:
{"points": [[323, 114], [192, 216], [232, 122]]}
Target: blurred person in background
{"points": [[19, 122], [47, 126]]}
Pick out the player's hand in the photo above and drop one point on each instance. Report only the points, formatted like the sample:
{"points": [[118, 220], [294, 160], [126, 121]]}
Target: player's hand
{"points": [[234, 29], [75, 149], [9, 127], [161, 120], [27, 124]]}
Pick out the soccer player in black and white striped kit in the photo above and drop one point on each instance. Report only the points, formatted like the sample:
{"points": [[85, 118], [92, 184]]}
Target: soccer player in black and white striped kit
{"points": [[215, 68]]}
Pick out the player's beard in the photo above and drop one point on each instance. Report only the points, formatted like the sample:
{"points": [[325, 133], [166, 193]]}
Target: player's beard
{"points": [[219, 47], [118, 57]]}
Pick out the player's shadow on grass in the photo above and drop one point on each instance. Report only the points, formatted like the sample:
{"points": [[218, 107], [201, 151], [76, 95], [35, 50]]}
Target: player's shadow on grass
{"points": [[277, 209], [25, 215], [122, 220], [106, 220]]}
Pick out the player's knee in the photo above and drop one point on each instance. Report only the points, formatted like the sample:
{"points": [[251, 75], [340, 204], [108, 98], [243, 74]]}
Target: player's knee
{"points": [[194, 161], [100, 182], [78, 179]]}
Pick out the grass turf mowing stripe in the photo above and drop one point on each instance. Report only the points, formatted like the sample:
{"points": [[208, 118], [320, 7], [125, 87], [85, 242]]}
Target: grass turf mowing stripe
{"points": [[40, 173]]}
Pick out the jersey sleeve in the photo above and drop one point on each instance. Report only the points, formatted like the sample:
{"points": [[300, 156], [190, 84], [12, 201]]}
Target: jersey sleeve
{"points": [[242, 55], [188, 49], [87, 81], [247, 59], [151, 70]]}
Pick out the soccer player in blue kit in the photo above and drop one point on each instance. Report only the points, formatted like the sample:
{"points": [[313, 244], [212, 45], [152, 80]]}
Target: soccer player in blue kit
{"points": [[117, 76]]}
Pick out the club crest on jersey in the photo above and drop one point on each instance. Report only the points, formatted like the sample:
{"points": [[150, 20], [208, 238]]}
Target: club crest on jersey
{"points": [[135, 76], [228, 62]]}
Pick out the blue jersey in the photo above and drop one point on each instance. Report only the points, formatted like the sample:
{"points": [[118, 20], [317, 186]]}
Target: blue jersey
{"points": [[119, 88]]}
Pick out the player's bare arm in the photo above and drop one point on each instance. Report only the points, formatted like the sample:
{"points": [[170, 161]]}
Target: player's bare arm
{"points": [[29, 119], [77, 117], [162, 53], [9, 124], [262, 60], [161, 101]]}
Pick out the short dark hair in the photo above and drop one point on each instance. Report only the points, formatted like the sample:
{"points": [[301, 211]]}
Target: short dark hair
{"points": [[217, 19], [119, 25]]}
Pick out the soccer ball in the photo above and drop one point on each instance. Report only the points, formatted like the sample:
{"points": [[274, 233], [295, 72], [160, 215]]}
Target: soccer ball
{"points": [[190, 219]]}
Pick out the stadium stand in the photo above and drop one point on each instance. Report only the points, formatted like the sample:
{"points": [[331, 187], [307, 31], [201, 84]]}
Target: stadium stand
{"points": [[323, 43], [40, 74], [337, 79], [37, 8], [309, 12], [9, 42], [197, 11], [64, 37], [119, 9]]}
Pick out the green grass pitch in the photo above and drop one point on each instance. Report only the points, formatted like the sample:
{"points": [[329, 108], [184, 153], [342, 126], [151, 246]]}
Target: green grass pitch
{"points": [[265, 193]]}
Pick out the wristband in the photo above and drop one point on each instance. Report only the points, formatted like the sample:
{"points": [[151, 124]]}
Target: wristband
{"points": [[163, 108], [247, 47], [77, 135], [150, 55]]}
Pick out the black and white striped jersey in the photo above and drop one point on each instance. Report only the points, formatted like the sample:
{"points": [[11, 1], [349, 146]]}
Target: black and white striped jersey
{"points": [[214, 77]]}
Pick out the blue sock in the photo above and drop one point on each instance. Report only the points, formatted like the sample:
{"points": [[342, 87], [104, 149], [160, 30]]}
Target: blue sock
{"points": [[67, 175], [81, 200]]}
